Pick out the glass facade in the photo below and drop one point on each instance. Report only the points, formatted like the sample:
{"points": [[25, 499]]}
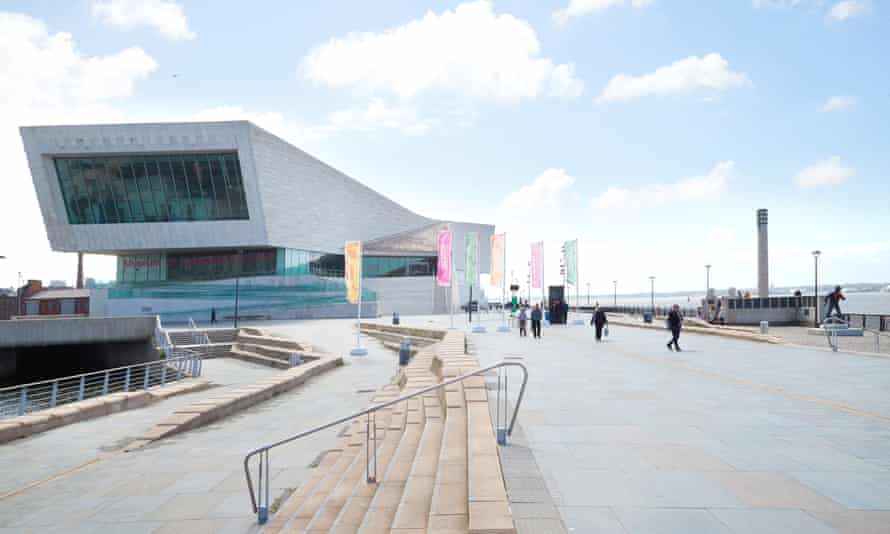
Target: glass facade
{"points": [[396, 266], [196, 266], [152, 188]]}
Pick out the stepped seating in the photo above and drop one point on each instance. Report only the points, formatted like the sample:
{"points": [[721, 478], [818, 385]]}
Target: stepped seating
{"points": [[438, 470], [252, 345]]}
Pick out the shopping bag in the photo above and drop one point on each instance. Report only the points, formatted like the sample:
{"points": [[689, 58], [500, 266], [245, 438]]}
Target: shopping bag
{"points": [[606, 331]]}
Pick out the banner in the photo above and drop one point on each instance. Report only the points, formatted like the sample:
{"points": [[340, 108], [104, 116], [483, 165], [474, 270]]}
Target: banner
{"points": [[496, 265], [571, 258], [353, 273], [471, 273], [443, 265], [537, 265]]}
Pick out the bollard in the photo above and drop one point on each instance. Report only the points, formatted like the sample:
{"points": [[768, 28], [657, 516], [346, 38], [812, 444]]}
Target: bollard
{"points": [[764, 327], [404, 351], [395, 318]]}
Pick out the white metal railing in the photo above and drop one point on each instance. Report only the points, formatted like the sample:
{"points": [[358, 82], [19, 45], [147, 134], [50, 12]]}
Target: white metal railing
{"points": [[35, 396], [260, 501]]}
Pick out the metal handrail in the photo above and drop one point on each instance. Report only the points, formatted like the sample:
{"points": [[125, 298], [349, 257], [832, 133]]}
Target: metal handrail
{"points": [[262, 512], [35, 396]]}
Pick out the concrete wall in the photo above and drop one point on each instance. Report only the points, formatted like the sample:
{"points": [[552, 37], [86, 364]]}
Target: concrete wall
{"points": [[44, 142], [313, 206], [74, 330], [414, 295]]}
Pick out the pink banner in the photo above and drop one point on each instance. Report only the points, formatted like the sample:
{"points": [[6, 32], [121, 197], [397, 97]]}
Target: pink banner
{"points": [[443, 266], [537, 266]]}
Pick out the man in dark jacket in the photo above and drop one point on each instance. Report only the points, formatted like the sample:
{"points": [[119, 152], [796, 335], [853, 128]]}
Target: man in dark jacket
{"points": [[833, 300], [675, 322], [598, 321]]}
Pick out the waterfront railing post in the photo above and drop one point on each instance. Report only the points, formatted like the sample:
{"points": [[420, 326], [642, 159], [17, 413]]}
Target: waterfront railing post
{"points": [[127, 380], [81, 388], [54, 394]]}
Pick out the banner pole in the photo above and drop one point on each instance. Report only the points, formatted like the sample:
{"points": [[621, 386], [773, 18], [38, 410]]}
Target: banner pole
{"points": [[506, 326], [358, 350], [451, 280]]}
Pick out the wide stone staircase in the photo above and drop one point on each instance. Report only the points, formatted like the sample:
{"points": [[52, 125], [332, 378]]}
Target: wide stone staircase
{"points": [[437, 465], [255, 346]]}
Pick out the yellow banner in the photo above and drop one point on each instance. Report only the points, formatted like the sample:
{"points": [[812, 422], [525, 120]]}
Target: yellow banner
{"points": [[496, 265], [353, 273]]}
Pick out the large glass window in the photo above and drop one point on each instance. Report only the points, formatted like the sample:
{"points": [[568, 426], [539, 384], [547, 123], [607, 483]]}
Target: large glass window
{"points": [[396, 266], [152, 188], [210, 266]]}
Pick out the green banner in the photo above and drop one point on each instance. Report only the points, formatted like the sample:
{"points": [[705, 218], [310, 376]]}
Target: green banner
{"points": [[471, 273], [571, 258]]}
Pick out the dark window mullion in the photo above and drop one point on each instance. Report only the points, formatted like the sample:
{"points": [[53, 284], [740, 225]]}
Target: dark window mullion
{"points": [[138, 190], [106, 181]]}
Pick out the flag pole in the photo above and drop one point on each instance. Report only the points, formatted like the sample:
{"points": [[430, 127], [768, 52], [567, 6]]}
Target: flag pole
{"points": [[359, 350], [506, 326]]}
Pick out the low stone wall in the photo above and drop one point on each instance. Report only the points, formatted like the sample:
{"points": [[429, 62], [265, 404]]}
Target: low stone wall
{"points": [[206, 411], [708, 330], [66, 414]]}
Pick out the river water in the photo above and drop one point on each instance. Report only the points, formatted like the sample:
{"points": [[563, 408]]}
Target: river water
{"points": [[872, 303]]}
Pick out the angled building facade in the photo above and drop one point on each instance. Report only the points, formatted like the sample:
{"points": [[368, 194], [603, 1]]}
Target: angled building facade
{"points": [[188, 208]]}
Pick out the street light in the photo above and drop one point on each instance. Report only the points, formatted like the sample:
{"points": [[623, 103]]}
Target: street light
{"points": [[652, 280], [816, 254], [707, 281], [588, 292], [237, 281], [615, 293]]}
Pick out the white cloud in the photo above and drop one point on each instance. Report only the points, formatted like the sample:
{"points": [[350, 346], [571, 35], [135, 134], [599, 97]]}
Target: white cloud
{"points": [[469, 51], [826, 172], [709, 186], [44, 79], [577, 8], [838, 103], [377, 115], [548, 190], [165, 16], [682, 76], [847, 9]]}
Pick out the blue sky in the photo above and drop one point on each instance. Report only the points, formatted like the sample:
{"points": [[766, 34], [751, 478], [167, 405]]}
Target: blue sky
{"points": [[651, 130]]}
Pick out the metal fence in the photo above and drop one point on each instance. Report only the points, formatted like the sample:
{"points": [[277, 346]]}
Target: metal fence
{"points": [[36, 396], [636, 310]]}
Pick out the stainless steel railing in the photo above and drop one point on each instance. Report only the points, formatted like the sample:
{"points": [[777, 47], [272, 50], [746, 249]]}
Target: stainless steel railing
{"points": [[260, 501], [35, 396]]}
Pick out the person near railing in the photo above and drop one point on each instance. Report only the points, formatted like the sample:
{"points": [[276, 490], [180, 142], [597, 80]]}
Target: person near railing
{"points": [[833, 300], [536, 322], [523, 318]]}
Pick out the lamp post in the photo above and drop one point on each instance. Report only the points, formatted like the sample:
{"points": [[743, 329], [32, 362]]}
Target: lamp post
{"points": [[652, 281], [816, 254], [237, 282], [588, 292], [615, 293]]}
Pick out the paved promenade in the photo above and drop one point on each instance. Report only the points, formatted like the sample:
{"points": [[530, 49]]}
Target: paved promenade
{"points": [[192, 482], [727, 436]]}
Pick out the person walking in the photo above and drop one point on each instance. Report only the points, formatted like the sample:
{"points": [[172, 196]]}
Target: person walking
{"points": [[536, 322], [564, 309], [833, 300], [212, 315], [599, 320], [675, 322], [523, 317]]}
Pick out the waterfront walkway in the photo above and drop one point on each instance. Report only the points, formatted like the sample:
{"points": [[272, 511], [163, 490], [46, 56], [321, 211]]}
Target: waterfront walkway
{"points": [[727, 436]]}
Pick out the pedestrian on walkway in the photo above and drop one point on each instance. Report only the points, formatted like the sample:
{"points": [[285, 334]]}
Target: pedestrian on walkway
{"points": [[674, 322], [523, 317], [599, 320], [212, 315], [833, 300], [536, 322]]}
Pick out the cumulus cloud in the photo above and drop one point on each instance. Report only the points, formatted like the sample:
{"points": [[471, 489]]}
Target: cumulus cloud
{"points": [[847, 9], [709, 186], [548, 190], [826, 172], [838, 103], [165, 16], [682, 76], [377, 115], [469, 51], [577, 8], [45, 79]]}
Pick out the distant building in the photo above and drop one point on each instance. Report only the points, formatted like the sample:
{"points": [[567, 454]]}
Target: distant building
{"points": [[57, 283], [65, 301], [189, 207]]}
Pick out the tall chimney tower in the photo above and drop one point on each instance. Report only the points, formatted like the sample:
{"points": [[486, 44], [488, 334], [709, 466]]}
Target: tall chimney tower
{"points": [[762, 254]]}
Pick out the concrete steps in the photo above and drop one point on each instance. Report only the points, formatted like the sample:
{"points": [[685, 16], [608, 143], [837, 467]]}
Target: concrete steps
{"points": [[438, 469], [259, 359]]}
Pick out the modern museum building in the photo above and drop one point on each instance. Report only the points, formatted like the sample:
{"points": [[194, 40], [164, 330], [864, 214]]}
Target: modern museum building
{"points": [[194, 211]]}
